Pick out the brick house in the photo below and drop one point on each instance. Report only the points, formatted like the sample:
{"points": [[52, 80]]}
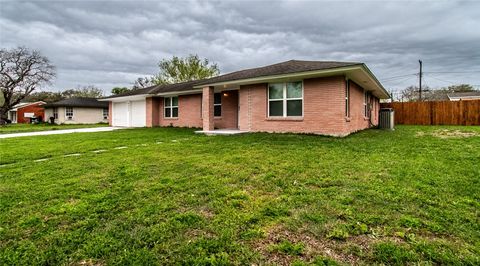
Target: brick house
{"points": [[330, 98], [23, 112]]}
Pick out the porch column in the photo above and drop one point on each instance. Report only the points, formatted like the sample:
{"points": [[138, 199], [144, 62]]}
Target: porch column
{"points": [[207, 109]]}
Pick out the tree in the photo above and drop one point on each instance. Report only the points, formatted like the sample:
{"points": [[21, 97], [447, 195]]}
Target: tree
{"points": [[21, 72], [86, 92], [440, 94], [144, 82], [46, 96], [119, 90], [178, 69]]}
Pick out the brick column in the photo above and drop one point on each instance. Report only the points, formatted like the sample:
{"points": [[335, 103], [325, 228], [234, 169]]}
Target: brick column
{"points": [[110, 113], [207, 109], [152, 108]]}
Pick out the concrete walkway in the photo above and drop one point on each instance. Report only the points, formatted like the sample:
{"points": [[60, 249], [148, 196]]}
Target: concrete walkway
{"points": [[61, 131]]}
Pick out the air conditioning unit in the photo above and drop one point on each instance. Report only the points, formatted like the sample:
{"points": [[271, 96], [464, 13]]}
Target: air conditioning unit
{"points": [[386, 119]]}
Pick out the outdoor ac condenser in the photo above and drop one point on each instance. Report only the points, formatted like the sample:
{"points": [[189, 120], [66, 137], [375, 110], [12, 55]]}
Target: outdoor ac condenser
{"points": [[386, 118]]}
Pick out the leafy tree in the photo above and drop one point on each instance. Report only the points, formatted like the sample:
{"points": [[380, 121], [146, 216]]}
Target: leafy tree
{"points": [[144, 82], [179, 69], [185, 69], [2, 98], [429, 94], [21, 72], [46, 96], [86, 91], [119, 90]]}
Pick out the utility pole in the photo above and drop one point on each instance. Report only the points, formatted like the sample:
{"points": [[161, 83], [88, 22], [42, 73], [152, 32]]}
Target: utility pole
{"points": [[420, 81]]}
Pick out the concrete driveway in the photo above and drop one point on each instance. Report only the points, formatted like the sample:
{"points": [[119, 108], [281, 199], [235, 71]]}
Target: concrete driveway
{"points": [[56, 132]]}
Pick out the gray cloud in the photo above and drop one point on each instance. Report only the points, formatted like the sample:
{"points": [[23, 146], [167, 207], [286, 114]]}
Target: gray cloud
{"points": [[110, 43]]}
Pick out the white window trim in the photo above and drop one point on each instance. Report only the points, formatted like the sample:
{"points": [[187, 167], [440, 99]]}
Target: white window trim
{"points": [[55, 113], [66, 116], [284, 99], [218, 104], [170, 107], [103, 113], [365, 100]]}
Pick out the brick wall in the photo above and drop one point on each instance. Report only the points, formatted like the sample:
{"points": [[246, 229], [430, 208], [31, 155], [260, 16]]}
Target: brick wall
{"points": [[34, 108], [229, 110], [189, 112]]}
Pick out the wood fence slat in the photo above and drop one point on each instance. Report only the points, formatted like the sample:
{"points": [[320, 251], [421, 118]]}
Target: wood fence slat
{"points": [[436, 113]]}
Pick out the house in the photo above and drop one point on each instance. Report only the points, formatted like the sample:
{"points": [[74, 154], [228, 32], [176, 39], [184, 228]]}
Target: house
{"points": [[464, 96], [23, 112], [331, 98], [77, 111]]}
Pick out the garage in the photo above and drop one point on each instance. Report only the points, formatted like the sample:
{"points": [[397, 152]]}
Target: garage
{"points": [[129, 114]]}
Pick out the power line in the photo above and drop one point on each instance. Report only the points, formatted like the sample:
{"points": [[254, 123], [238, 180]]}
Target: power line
{"points": [[401, 76], [451, 72]]}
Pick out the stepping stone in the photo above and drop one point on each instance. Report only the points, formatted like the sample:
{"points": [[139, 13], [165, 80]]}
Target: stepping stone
{"points": [[99, 151], [41, 160], [119, 148], [142, 145], [71, 155], [159, 142], [174, 140], [4, 165]]}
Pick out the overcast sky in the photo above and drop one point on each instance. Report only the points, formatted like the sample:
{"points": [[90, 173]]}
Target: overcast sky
{"points": [[111, 43]]}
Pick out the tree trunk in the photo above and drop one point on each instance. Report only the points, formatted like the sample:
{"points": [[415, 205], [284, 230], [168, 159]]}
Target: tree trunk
{"points": [[3, 115]]}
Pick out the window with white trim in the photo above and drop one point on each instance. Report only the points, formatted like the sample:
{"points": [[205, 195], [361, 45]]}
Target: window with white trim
{"points": [[55, 113], [365, 104], [105, 113], [217, 104], [69, 113], [347, 98], [285, 99], [170, 107]]}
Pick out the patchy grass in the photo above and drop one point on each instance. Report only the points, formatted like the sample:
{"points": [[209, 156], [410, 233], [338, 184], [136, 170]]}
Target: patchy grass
{"points": [[173, 197], [17, 128]]}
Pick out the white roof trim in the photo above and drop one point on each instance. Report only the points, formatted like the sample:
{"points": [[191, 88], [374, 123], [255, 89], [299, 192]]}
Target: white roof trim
{"points": [[126, 98]]}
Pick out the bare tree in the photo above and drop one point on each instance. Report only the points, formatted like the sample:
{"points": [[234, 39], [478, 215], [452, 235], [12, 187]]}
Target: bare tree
{"points": [[21, 72]]}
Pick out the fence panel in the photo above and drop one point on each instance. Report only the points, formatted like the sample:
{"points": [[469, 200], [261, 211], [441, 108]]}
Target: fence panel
{"points": [[436, 113]]}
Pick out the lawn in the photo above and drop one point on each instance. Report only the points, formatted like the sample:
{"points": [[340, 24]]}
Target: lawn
{"points": [[18, 128], [168, 196]]}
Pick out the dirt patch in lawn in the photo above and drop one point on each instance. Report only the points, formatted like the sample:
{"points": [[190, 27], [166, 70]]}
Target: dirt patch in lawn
{"points": [[447, 133]]}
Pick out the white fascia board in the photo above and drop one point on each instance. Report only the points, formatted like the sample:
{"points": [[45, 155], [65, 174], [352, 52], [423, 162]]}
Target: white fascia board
{"points": [[126, 98], [174, 93]]}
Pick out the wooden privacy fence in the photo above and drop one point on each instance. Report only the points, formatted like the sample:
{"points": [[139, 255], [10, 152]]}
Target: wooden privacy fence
{"points": [[436, 113]]}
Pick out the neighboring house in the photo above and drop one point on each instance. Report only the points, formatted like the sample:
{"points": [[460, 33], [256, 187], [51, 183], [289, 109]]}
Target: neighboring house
{"points": [[22, 112], [332, 98], [77, 111], [464, 96]]}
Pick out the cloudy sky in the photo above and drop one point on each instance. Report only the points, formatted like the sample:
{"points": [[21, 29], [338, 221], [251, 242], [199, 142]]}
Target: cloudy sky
{"points": [[111, 43]]}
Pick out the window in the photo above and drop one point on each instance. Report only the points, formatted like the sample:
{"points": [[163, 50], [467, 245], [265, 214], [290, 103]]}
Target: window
{"points": [[365, 104], [69, 112], [217, 104], [105, 113], [347, 98], [170, 107], [55, 113], [285, 99]]}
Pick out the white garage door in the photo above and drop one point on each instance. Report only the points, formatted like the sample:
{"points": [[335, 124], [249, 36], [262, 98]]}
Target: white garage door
{"points": [[138, 114], [120, 114]]}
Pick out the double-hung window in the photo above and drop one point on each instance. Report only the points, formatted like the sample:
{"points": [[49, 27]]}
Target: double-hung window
{"points": [[69, 112], [347, 98], [285, 99], [217, 104], [365, 104], [105, 113], [170, 107], [55, 113]]}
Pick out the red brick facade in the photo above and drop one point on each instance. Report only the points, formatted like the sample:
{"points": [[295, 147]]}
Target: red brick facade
{"points": [[247, 109], [35, 108]]}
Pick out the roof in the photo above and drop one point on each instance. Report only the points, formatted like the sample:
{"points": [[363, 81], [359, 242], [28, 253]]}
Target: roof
{"points": [[284, 68], [22, 105], [78, 102], [464, 95], [288, 67]]}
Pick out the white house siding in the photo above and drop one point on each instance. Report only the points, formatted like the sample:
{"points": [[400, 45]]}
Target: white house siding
{"points": [[81, 115]]}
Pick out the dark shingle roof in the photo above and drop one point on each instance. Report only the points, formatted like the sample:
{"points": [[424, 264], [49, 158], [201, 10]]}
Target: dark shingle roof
{"points": [[78, 102], [288, 67]]}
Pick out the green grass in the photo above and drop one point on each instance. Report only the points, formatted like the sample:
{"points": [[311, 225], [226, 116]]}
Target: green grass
{"points": [[174, 197], [18, 128]]}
